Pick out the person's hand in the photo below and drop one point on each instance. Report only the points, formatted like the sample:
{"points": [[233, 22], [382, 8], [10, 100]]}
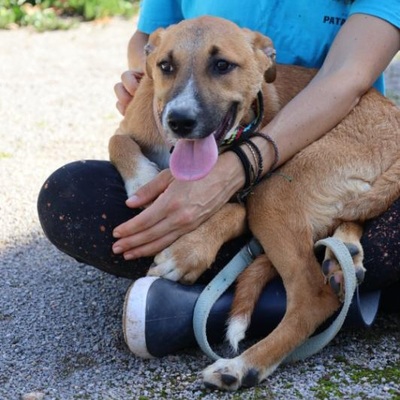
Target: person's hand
{"points": [[176, 208], [125, 90]]}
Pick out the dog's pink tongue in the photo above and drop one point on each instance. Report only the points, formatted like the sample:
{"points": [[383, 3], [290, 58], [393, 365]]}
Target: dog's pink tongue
{"points": [[193, 159]]}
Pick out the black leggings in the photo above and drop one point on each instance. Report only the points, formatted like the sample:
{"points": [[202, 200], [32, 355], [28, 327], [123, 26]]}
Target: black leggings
{"points": [[81, 203]]}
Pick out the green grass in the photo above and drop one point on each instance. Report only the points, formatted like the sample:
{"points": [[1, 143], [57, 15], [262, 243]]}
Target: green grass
{"points": [[44, 15], [331, 386]]}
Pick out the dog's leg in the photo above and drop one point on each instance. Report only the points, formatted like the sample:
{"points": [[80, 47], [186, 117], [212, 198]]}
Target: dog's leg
{"points": [[309, 302], [134, 167], [255, 276], [349, 233], [384, 191], [187, 258]]}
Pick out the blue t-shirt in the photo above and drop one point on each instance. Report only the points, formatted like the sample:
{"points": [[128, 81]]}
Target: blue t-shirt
{"points": [[302, 32]]}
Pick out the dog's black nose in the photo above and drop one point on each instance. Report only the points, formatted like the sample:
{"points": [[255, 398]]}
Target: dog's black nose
{"points": [[181, 123]]}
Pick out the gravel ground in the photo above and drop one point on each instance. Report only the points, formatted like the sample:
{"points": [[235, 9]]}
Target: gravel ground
{"points": [[60, 321]]}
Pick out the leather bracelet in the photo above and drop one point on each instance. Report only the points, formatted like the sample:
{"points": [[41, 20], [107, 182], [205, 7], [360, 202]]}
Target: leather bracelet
{"points": [[245, 164], [252, 178], [256, 153], [274, 145]]}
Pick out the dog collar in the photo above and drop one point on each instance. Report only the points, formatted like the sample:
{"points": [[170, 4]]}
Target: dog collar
{"points": [[243, 131]]}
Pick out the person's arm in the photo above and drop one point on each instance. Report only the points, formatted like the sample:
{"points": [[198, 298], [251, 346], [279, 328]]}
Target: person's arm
{"points": [[136, 56], [361, 51], [125, 90]]}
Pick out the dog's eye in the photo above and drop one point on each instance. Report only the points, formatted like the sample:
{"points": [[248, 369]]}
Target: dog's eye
{"points": [[223, 66], [166, 67]]}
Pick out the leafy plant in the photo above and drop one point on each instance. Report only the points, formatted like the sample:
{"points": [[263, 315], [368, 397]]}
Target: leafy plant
{"points": [[60, 14]]}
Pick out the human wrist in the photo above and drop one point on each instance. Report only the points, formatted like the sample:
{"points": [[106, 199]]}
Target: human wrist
{"points": [[256, 161], [269, 151], [233, 172]]}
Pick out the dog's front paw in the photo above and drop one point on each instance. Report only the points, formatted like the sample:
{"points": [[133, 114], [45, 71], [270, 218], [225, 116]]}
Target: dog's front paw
{"points": [[230, 374], [185, 260], [146, 171], [165, 266], [177, 264]]}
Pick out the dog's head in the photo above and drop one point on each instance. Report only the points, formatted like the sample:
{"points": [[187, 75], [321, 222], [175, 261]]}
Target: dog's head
{"points": [[206, 74]]}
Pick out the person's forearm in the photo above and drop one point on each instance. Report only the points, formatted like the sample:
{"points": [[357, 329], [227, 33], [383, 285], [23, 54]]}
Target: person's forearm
{"points": [[361, 51], [136, 56], [312, 113]]}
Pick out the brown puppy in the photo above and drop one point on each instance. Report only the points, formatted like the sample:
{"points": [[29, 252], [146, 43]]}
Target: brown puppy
{"points": [[202, 77]]}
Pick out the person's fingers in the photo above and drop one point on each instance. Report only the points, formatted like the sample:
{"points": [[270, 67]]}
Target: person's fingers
{"points": [[120, 108], [123, 96], [147, 243], [130, 80], [164, 219], [152, 248], [126, 89], [160, 217], [137, 225], [150, 191]]}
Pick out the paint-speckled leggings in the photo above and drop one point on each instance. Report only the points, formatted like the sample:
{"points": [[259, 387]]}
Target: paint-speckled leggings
{"points": [[81, 203]]}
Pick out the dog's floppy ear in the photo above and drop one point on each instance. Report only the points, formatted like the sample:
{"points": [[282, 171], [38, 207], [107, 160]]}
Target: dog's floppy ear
{"points": [[266, 54], [270, 73], [153, 42]]}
